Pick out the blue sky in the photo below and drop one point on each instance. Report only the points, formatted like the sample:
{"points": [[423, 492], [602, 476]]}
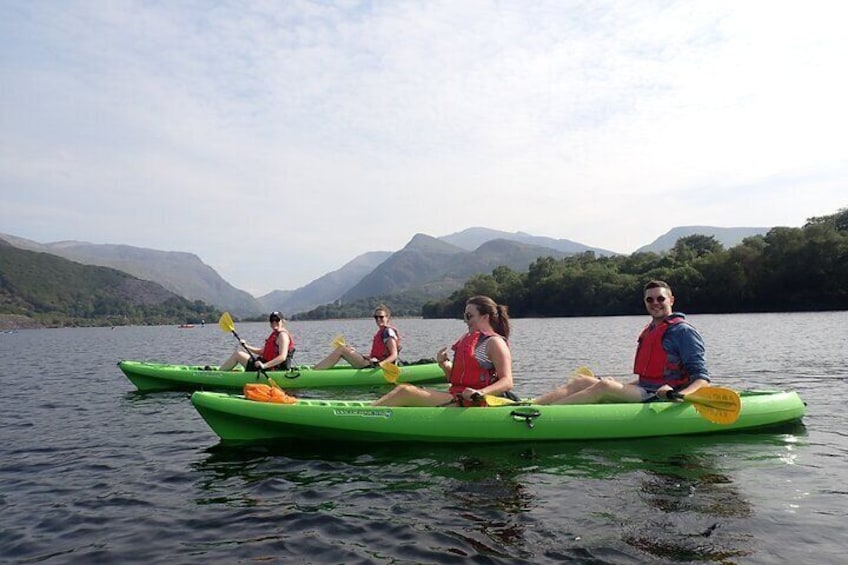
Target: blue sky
{"points": [[278, 140]]}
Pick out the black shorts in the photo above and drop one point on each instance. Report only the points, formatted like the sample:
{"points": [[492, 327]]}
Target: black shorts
{"points": [[284, 366]]}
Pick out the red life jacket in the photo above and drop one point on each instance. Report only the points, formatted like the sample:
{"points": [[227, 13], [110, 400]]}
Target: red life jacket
{"points": [[379, 349], [271, 349], [466, 371], [652, 364]]}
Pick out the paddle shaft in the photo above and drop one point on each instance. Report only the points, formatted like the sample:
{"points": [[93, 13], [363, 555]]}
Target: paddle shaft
{"points": [[226, 324], [253, 358]]}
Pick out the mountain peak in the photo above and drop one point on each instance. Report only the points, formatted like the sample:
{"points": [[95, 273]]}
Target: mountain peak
{"points": [[727, 237], [472, 238], [430, 244]]}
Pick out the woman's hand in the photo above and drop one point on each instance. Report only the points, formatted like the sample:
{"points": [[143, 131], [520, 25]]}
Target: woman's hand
{"points": [[470, 394], [442, 355]]}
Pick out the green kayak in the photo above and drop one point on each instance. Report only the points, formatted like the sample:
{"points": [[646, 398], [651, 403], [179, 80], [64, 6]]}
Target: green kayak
{"points": [[236, 419], [149, 377]]}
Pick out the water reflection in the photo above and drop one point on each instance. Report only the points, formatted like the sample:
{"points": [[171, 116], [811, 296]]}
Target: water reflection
{"points": [[478, 496], [675, 499], [691, 506]]}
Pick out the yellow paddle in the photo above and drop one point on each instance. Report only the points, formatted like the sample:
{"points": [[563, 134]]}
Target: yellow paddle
{"points": [[226, 324], [586, 371], [492, 400], [338, 341], [717, 404], [391, 372]]}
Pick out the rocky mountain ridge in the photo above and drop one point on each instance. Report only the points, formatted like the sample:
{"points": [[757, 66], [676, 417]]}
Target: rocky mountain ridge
{"points": [[431, 266]]}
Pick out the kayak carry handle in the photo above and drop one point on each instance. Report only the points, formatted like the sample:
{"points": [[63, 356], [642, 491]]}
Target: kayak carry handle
{"points": [[525, 415], [293, 373]]}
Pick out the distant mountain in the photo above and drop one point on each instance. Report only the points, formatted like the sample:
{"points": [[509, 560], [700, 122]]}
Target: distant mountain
{"points": [[38, 288], [728, 237], [274, 300], [472, 238], [433, 267], [325, 289], [414, 265], [182, 273]]}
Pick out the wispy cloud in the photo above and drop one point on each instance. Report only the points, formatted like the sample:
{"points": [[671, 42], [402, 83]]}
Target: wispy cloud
{"points": [[309, 132]]}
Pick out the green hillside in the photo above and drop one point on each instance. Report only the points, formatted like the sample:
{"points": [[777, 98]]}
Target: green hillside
{"points": [[50, 291], [785, 270], [182, 273]]}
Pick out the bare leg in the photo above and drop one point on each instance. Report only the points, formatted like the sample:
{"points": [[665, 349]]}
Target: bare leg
{"points": [[339, 353], [575, 384], [238, 357], [409, 395], [603, 390]]}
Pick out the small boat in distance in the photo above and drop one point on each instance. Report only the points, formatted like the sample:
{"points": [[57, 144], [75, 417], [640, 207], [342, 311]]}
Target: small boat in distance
{"points": [[185, 326]]}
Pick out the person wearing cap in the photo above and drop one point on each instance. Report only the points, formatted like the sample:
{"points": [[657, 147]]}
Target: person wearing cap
{"points": [[385, 345], [276, 355]]}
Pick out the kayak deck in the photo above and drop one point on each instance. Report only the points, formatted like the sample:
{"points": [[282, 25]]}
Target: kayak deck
{"points": [[233, 418], [151, 377]]}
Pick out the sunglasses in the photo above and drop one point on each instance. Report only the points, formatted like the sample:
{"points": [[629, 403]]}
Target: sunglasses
{"points": [[379, 317], [650, 299], [468, 315]]}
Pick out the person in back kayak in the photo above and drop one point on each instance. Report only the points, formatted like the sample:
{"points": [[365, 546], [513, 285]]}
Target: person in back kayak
{"points": [[482, 362], [670, 355], [385, 345], [276, 355]]}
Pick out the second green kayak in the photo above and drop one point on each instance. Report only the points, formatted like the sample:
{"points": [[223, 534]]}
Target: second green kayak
{"points": [[236, 419], [150, 377]]}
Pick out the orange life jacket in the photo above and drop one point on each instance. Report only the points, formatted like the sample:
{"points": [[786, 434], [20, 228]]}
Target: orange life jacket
{"points": [[265, 393]]}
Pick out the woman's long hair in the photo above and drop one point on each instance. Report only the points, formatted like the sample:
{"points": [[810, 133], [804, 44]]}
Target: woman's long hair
{"points": [[498, 313]]}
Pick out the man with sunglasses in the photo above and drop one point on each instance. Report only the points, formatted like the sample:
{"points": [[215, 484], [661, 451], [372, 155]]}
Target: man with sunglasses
{"points": [[670, 355]]}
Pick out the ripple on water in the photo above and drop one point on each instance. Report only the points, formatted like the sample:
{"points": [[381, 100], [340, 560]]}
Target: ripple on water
{"points": [[92, 472]]}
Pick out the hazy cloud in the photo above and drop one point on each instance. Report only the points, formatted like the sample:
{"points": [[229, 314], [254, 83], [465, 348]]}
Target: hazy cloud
{"points": [[277, 140]]}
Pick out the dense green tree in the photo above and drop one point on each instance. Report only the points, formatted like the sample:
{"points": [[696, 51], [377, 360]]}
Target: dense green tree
{"points": [[839, 220], [788, 269], [692, 247]]}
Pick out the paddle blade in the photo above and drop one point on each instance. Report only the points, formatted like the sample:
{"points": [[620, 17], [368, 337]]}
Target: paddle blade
{"points": [[716, 415], [492, 400], [391, 372], [226, 323], [498, 400], [586, 371], [338, 341], [717, 404]]}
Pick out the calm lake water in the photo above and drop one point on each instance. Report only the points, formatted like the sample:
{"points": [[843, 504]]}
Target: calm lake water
{"points": [[92, 472]]}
